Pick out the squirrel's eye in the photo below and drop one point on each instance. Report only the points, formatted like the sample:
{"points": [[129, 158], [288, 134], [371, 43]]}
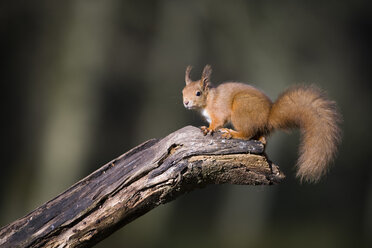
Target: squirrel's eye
{"points": [[198, 93]]}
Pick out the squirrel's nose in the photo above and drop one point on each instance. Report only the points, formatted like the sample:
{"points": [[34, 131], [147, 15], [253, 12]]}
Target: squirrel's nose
{"points": [[186, 103]]}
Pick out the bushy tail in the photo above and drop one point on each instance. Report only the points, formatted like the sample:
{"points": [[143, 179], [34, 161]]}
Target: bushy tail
{"points": [[307, 108]]}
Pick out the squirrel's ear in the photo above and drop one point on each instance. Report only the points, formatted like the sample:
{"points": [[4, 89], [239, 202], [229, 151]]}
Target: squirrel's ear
{"points": [[187, 75], [207, 71]]}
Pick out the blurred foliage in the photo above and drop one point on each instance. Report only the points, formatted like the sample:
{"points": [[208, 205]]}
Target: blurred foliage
{"points": [[84, 81]]}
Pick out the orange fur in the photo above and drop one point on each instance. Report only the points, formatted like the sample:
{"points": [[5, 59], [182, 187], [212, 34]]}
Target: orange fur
{"points": [[253, 115]]}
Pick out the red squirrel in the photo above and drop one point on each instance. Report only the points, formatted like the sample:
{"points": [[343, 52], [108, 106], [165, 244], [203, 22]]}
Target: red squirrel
{"points": [[254, 116]]}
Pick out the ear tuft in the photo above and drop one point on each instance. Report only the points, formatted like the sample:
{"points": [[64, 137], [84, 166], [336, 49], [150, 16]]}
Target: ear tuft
{"points": [[187, 74], [207, 71], [205, 79]]}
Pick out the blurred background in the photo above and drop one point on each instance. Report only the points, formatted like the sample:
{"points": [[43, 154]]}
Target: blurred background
{"points": [[85, 81]]}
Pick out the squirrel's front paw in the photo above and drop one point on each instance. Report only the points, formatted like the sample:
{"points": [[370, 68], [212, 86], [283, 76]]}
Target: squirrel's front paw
{"points": [[207, 130]]}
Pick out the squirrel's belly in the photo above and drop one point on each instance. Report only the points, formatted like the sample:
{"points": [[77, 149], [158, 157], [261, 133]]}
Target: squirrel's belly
{"points": [[206, 115]]}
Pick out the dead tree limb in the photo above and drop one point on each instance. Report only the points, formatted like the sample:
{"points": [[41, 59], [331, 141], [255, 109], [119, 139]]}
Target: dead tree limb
{"points": [[150, 174]]}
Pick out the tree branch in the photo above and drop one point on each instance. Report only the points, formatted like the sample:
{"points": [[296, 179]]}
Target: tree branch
{"points": [[150, 174]]}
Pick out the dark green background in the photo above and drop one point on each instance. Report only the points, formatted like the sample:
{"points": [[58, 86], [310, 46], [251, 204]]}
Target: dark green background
{"points": [[84, 81]]}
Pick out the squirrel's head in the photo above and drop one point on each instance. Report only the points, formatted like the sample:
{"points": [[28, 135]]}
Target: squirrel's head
{"points": [[195, 92]]}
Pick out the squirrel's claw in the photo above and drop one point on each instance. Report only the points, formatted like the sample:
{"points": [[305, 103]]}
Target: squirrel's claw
{"points": [[207, 130], [262, 139], [226, 134]]}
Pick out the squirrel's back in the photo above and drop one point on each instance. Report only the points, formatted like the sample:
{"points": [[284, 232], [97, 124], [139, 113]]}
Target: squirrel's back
{"points": [[228, 92]]}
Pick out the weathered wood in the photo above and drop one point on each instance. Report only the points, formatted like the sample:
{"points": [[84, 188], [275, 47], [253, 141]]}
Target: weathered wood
{"points": [[150, 174]]}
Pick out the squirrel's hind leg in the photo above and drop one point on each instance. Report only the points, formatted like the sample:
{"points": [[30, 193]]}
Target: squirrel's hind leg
{"points": [[229, 133]]}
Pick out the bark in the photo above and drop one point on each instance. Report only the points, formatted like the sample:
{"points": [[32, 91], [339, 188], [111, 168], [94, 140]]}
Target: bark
{"points": [[150, 174]]}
